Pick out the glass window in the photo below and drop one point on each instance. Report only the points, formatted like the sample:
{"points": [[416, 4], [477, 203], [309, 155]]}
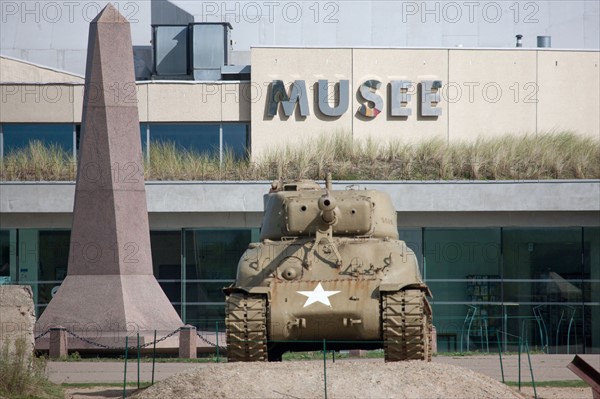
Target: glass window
{"points": [[543, 287], [4, 255], [235, 140], [462, 269], [214, 254], [591, 291], [211, 264], [166, 262], [144, 136], [18, 136], [198, 138], [53, 261]]}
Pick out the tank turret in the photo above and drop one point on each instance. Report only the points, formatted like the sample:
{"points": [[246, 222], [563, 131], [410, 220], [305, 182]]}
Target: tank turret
{"points": [[327, 205]]}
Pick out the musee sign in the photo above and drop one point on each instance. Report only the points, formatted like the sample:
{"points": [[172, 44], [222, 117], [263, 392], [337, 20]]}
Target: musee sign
{"points": [[400, 103]]}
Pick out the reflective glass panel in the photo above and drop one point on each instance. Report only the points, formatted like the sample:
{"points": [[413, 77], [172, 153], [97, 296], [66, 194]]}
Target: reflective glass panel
{"points": [[462, 269], [591, 289], [543, 286], [53, 261], [166, 262], [198, 138], [4, 256], [211, 264], [235, 140], [18, 136]]}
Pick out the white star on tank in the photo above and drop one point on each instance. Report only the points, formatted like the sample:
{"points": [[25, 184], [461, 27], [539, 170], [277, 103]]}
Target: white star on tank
{"points": [[317, 295]]}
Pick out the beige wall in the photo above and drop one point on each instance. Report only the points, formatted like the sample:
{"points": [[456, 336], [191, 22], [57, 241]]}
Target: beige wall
{"points": [[157, 102], [486, 92], [37, 103], [17, 71], [569, 91]]}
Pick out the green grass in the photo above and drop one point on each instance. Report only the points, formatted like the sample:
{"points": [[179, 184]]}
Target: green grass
{"points": [[556, 155], [551, 384], [143, 384], [75, 357]]}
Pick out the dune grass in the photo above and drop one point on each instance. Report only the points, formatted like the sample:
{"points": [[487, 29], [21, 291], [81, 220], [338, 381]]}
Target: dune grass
{"points": [[38, 162], [22, 375], [562, 155]]}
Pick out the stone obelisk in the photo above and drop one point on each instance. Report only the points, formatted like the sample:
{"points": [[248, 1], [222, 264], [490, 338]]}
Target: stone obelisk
{"points": [[110, 287]]}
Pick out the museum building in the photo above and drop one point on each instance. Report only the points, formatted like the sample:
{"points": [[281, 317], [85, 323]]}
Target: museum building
{"points": [[519, 257]]}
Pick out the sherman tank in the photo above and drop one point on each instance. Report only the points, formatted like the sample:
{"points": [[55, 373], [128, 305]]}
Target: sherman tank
{"points": [[329, 266]]}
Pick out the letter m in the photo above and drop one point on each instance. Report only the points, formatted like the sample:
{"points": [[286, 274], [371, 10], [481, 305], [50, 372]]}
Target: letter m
{"points": [[297, 95]]}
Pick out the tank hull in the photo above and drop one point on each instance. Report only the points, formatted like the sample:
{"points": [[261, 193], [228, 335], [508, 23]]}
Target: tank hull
{"points": [[300, 311], [329, 267]]}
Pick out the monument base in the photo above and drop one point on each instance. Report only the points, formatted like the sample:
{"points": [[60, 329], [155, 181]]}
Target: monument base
{"points": [[101, 307]]}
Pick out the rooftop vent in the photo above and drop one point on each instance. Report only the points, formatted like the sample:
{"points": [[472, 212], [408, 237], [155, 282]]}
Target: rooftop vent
{"points": [[544, 41], [519, 41]]}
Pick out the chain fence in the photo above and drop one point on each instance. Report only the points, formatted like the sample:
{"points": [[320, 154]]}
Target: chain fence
{"points": [[42, 335], [206, 341], [104, 346]]}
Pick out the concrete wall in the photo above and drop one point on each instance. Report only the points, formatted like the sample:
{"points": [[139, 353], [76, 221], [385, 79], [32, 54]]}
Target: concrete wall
{"points": [[485, 93], [55, 33], [17, 316], [402, 23], [419, 204]]}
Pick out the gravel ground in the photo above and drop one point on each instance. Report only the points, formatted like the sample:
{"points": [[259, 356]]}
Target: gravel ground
{"points": [[344, 380], [543, 393], [364, 373]]}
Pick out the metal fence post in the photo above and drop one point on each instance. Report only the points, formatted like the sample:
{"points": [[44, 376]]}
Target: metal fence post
{"points": [[125, 372], [138, 360], [153, 357], [325, 367], [217, 340], [519, 344], [530, 369], [500, 355]]}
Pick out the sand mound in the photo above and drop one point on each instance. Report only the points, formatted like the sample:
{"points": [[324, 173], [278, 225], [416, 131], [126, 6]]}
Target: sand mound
{"points": [[345, 379]]}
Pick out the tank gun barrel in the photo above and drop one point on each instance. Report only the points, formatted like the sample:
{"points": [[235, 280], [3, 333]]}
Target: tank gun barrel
{"points": [[327, 205]]}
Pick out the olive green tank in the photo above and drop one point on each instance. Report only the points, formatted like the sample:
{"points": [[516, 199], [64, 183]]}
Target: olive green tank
{"points": [[329, 266]]}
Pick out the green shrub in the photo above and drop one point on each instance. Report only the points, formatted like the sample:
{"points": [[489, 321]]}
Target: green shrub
{"points": [[38, 162], [22, 375], [561, 155]]}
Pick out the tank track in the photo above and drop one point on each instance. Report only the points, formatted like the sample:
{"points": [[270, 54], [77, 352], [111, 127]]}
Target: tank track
{"points": [[246, 327], [407, 325]]}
